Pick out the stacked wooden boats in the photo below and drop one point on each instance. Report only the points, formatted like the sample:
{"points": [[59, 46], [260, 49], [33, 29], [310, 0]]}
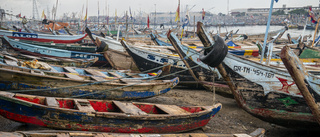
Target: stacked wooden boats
{"points": [[63, 97], [266, 92]]}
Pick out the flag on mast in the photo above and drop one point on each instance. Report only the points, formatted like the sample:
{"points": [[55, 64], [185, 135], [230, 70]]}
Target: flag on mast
{"points": [[311, 15], [148, 22], [177, 13], [43, 15], [203, 14]]}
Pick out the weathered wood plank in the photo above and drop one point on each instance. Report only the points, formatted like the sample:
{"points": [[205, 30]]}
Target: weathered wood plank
{"points": [[70, 69], [129, 108], [97, 78], [76, 77], [83, 105], [10, 62], [95, 72], [7, 94], [172, 109], [63, 135], [11, 58], [51, 102], [115, 74]]}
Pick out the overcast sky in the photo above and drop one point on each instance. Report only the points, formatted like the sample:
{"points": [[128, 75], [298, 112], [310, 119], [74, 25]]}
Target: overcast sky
{"points": [[216, 6]]}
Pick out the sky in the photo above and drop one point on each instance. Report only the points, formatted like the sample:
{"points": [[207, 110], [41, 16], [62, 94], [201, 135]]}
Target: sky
{"points": [[214, 6]]}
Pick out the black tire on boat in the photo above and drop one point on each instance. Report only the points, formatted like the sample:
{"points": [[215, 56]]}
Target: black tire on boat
{"points": [[218, 52]]}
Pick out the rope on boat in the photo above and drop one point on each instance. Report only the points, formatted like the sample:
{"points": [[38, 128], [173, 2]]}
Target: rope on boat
{"points": [[99, 82]]}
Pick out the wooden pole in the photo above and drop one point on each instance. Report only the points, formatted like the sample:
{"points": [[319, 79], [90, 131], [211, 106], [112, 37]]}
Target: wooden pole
{"points": [[315, 33], [299, 74], [174, 44]]}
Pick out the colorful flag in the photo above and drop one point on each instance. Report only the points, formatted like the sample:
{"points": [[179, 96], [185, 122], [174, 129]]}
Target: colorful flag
{"points": [[311, 15], [43, 15], [148, 22], [177, 13], [85, 17], [19, 15], [203, 13]]}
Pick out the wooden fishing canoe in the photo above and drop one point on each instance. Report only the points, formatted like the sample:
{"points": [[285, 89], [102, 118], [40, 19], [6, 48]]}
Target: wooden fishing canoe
{"points": [[307, 83], [83, 63], [147, 60], [253, 53], [104, 115], [42, 37], [65, 46], [57, 133], [36, 50], [116, 55], [266, 92], [81, 83]]}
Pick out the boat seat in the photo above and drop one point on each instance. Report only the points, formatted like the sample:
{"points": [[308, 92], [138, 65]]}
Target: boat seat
{"points": [[95, 72], [70, 69], [51, 102], [129, 108], [83, 105], [134, 75], [97, 78], [37, 72], [10, 58], [11, 62], [72, 76], [7, 94], [172, 109], [115, 74]]}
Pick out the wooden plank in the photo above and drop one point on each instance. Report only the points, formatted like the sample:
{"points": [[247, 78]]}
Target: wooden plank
{"points": [[10, 58], [70, 69], [129, 108], [115, 74], [63, 135], [76, 77], [10, 62], [7, 94], [134, 75], [97, 78], [83, 105], [95, 72], [37, 72], [172, 109], [51, 102]]}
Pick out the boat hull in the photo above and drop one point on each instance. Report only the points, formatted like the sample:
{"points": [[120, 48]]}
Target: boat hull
{"points": [[52, 86], [72, 119], [42, 37], [35, 50]]}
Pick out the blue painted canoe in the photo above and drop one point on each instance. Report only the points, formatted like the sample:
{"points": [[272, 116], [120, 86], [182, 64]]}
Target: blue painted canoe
{"points": [[36, 50]]}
